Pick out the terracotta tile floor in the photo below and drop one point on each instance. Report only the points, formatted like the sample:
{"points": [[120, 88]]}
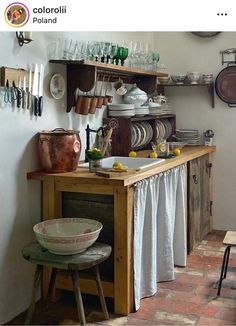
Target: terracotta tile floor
{"points": [[189, 300]]}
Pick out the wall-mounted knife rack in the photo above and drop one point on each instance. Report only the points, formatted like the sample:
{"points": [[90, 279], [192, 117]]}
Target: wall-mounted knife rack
{"points": [[14, 74]]}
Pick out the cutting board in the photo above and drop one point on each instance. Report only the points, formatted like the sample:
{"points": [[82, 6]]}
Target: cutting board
{"points": [[112, 173]]}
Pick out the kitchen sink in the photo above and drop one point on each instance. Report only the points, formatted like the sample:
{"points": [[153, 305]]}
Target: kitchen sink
{"points": [[137, 163]]}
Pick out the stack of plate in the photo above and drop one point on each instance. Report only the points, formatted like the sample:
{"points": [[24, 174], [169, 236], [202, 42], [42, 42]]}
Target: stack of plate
{"points": [[142, 110], [189, 136], [155, 108], [121, 110], [163, 129], [141, 134], [166, 108]]}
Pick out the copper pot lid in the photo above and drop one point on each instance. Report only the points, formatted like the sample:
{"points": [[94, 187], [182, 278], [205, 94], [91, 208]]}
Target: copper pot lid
{"points": [[225, 85]]}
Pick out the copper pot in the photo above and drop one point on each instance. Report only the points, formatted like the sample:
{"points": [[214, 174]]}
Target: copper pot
{"points": [[59, 150]]}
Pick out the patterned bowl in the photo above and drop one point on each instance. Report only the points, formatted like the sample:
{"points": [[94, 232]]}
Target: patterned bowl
{"points": [[67, 236], [178, 79]]}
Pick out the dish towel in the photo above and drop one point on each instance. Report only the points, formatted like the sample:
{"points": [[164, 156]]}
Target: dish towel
{"points": [[159, 230]]}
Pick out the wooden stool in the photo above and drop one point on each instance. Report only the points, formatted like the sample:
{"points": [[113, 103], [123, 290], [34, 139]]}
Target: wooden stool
{"points": [[230, 241], [73, 263]]}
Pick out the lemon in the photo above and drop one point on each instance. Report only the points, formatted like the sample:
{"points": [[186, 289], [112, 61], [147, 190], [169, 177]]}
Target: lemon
{"points": [[117, 166], [153, 155], [176, 151], [132, 154]]}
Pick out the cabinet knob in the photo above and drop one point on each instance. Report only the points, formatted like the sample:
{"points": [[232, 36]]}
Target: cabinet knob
{"points": [[195, 179]]}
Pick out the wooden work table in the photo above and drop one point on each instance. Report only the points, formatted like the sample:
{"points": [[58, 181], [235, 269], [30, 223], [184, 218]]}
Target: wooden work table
{"points": [[121, 188]]}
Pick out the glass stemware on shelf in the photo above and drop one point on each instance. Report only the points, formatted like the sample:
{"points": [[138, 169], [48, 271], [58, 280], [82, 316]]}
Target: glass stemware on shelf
{"points": [[121, 55], [133, 54], [113, 53]]}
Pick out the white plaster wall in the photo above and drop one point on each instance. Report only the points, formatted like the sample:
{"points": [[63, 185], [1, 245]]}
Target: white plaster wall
{"points": [[19, 198], [183, 52]]}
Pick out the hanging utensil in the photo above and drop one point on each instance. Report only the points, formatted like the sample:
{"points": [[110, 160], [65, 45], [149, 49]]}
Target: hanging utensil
{"points": [[106, 98], [225, 85], [29, 94], [35, 90], [16, 93], [24, 97], [225, 82], [101, 98], [40, 92], [94, 100], [8, 93], [19, 94]]}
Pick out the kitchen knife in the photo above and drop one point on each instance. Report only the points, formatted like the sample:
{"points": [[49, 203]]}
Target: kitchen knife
{"points": [[24, 104], [40, 93], [29, 97], [18, 91], [35, 90]]}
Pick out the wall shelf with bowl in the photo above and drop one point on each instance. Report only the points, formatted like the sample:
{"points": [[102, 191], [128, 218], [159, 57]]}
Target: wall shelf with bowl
{"points": [[83, 75], [208, 86], [137, 133]]}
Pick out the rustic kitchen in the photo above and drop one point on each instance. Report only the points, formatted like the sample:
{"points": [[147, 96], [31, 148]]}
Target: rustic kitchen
{"points": [[168, 86]]}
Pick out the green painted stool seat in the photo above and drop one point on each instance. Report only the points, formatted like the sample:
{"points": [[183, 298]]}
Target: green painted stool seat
{"points": [[90, 258]]}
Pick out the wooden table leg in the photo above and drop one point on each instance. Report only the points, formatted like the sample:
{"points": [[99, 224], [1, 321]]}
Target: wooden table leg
{"points": [[78, 297], [123, 249], [37, 278], [52, 208]]}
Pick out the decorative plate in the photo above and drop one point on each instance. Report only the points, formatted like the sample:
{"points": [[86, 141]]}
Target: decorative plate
{"points": [[57, 86]]}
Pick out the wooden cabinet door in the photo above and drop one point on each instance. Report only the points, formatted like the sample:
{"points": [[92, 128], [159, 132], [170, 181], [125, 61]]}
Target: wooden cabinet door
{"points": [[198, 202], [205, 217]]}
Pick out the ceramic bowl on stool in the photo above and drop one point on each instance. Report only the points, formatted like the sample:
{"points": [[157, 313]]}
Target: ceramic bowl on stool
{"points": [[67, 236]]}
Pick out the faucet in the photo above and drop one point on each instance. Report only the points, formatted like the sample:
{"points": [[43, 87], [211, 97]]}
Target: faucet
{"points": [[88, 130]]}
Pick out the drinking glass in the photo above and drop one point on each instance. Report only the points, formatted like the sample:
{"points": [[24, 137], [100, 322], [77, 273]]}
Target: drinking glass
{"points": [[66, 49], [142, 53], [96, 51], [101, 52], [90, 50], [113, 53], [155, 59], [51, 51], [131, 49], [137, 53], [123, 55], [79, 54], [72, 50], [118, 55], [107, 51]]}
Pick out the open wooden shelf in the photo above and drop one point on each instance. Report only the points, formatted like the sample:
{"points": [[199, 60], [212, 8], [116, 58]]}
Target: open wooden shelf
{"points": [[121, 136], [111, 68], [209, 86], [83, 75]]}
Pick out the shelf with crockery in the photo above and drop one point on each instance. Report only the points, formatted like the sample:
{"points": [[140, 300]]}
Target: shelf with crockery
{"points": [[84, 73], [137, 133], [209, 86]]}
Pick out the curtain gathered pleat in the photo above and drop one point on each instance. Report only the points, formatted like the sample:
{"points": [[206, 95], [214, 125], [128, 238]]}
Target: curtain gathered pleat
{"points": [[159, 230]]}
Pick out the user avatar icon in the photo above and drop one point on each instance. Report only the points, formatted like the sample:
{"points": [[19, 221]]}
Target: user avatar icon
{"points": [[16, 14]]}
